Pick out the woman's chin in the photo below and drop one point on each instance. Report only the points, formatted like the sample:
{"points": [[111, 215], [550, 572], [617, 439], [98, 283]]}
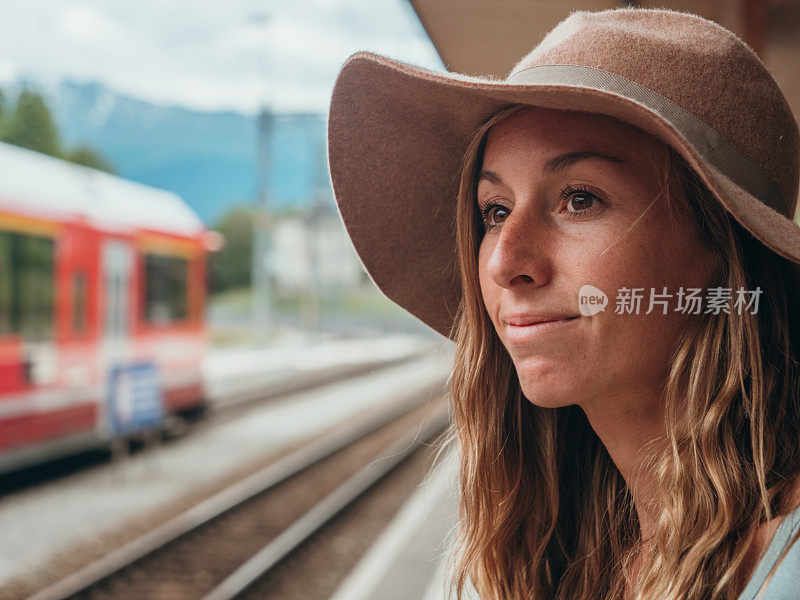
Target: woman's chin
{"points": [[545, 398], [545, 385], [548, 401]]}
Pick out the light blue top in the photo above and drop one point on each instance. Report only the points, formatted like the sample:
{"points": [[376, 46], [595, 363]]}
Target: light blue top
{"points": [[785, 583]]}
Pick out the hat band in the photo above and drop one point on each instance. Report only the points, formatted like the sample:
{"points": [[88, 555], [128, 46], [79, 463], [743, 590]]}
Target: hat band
{"points": [[709, 143]]}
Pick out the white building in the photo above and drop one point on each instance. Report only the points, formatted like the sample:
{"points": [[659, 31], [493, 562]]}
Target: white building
{"points": [[312, 253]]}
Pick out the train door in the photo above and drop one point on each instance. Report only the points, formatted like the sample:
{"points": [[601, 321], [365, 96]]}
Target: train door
{"points": [[118, 259], [134, 399]]}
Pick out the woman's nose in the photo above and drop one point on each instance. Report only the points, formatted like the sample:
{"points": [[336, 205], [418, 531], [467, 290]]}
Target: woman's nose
{"points": [[520, 254]]}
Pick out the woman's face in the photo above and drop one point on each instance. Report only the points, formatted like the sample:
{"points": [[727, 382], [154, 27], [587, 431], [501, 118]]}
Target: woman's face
{"points": [[572, 199]]}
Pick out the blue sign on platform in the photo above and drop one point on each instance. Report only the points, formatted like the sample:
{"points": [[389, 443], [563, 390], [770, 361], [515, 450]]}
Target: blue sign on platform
{"points": [[134, 398]]}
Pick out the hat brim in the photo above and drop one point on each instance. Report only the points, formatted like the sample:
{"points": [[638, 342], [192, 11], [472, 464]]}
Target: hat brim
{"points": [[396, 138]]}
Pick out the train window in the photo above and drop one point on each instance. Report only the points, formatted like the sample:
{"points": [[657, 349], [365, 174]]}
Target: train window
{"points": [[26, 285], [79, 302], [165, 288]]}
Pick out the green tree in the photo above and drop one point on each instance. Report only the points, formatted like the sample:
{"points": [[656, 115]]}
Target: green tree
{"points": [[31, 125], [231, 266], [88, 157]]}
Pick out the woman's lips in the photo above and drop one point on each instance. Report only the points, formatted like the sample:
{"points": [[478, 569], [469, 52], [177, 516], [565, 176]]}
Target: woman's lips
{"points": [[526, 333]]}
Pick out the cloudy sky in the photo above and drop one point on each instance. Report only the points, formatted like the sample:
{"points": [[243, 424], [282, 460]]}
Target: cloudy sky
{"points": [[206, 54]]}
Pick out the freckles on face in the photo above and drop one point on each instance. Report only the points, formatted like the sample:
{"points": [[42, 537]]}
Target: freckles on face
{"points": [[568, 200]]}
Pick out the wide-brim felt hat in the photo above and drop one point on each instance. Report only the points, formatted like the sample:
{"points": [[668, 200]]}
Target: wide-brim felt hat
{"points": [[397, 134]]}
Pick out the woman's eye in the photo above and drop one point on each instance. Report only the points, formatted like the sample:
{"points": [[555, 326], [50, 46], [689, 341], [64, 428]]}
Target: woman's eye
{"points": [[580, 202], [491, 217]]}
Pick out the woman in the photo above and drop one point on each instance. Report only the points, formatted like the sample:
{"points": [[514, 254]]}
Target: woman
{"points": [[633, 443]]}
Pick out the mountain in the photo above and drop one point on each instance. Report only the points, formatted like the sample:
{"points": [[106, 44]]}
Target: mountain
{"points": [[208, 158]]}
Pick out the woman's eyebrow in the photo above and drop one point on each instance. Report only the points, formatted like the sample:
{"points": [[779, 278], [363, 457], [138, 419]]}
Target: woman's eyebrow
{"points": [[556, 164], [490, 176], [566, 160]]}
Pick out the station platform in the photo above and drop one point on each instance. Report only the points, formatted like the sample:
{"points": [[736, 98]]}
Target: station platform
{"points": [[409, 561], [299, 359]]}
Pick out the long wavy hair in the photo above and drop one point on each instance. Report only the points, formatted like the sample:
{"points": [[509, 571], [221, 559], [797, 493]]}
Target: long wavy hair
{"points": [[544, 512]]}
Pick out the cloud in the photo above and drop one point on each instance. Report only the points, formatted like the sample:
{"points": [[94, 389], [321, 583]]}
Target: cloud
{"points": [[207, 54], [81, 24], [8, 72]]}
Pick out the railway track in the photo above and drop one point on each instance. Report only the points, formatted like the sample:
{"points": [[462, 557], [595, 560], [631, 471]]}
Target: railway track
{"points": [[221, 547]]}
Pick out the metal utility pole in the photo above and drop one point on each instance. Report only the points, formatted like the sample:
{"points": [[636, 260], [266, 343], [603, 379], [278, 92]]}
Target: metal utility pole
{"points": [[262, 226], [262, 306], [317, 225]]}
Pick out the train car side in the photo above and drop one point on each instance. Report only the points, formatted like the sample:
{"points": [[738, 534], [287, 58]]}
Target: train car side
{"points": [[102, 291]]}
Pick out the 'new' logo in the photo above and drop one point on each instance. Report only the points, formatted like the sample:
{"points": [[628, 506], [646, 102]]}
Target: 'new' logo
{"points": [[591, 300]]}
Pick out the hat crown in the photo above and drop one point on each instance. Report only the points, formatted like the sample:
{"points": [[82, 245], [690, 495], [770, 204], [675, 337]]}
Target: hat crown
{"points": [[696, 64]]}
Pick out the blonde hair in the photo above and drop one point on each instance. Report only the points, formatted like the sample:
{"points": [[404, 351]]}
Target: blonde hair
{"points": [[543, 511]]}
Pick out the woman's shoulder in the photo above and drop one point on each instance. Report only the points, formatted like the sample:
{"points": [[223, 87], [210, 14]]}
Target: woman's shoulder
{"points": [[783, 553]]}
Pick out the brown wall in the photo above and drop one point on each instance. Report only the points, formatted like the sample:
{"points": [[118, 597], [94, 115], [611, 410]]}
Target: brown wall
{"points": [[463, 30]]}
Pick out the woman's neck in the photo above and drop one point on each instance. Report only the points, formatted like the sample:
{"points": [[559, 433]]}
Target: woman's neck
{"points": [[630, 430]]}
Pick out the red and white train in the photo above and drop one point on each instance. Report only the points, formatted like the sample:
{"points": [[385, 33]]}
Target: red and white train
{"points": [[102, 292]]}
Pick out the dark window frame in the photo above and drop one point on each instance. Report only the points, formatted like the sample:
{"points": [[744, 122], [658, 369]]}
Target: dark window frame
{"points": [[166, 289], [27, 285]]}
